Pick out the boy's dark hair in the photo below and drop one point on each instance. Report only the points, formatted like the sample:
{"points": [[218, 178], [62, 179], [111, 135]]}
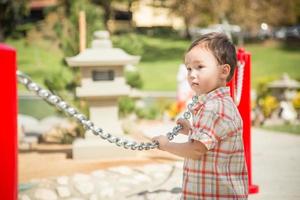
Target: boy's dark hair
{"points": [[221, 47]]}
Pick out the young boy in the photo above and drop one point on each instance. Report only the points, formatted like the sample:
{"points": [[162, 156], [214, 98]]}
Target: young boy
{"points": [[214, 162]]}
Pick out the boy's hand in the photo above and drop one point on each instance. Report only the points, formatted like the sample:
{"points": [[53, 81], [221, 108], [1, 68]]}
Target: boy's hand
{"points": [[162, 140], [186, 126]]}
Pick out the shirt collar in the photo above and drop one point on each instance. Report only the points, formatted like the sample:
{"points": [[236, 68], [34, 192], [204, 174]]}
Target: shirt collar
{"points": [[217, 93]]}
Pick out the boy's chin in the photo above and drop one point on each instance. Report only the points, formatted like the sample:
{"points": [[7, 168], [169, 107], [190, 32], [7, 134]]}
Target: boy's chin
{"points": [[198, 93]]}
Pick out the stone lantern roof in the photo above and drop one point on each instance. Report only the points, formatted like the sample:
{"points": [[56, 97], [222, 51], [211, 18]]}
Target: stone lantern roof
{"points": [[102, 54], [284, 83]]}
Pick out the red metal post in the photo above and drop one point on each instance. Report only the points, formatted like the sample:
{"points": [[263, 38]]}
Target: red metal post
{"points": [[8, 119], [245, 110], [231, 84]]}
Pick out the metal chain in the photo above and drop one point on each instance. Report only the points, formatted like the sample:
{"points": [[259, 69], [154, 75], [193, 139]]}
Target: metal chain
{"points": [[239, 83], [87, 124]]}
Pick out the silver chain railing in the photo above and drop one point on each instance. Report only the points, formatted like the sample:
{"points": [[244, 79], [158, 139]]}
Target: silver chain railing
{"points": [[88, 125]]}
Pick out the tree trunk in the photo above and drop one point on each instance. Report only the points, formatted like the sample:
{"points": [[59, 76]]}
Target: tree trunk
{"points": [[1, 35], [187, 28], [107, 12]]}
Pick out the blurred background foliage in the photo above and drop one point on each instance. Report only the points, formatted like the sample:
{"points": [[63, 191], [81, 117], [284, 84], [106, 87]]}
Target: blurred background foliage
{"points": [[44, 42]]}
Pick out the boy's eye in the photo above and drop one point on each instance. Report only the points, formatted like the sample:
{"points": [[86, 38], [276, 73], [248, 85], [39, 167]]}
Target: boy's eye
{"points": [[188, 69], [199, 66]]}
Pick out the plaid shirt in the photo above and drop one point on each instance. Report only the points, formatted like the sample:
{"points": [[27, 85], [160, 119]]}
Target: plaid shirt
{"points": [[221, 172]]}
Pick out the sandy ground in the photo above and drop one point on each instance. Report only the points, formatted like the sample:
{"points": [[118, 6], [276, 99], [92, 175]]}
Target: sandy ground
{"points": [[51, 160]]}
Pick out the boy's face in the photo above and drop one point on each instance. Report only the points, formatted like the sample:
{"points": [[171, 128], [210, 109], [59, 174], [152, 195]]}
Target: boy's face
{"points": [[204, 72]]}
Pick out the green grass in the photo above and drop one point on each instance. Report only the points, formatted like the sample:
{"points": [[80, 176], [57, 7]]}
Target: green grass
{"points": [[294, 129], [160, 62], [162, 57], [36, 108], [271, 60], [38, 59]]}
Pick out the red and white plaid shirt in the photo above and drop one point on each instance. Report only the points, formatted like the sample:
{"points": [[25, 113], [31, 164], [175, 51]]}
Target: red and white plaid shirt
{"points": [[221, 173]]}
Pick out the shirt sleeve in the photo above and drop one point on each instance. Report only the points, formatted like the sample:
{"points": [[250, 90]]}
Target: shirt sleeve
{"points": [[209, 129]]}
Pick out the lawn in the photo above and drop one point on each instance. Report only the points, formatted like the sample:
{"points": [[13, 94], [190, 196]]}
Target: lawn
{"points": [[160, 60], [162, 57], [294, 129], [38, 59], [272, 59]]}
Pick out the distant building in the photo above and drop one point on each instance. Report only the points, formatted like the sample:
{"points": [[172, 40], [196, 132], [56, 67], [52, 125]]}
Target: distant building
{"points": [[142, 14], [36, 8], [145, 14]]}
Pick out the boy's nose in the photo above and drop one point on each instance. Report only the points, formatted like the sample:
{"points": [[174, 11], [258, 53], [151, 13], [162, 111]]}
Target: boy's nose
{"points": [[193, 73]]}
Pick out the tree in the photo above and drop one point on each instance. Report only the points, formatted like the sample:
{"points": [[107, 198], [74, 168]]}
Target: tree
{"points": [[61, 24], [106, 6], [193, 12], [249, 14], [66, 27], [12, 13]]}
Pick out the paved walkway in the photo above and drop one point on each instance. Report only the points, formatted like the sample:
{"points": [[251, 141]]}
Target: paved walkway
{"points": [[275, 165], [276, 169]]}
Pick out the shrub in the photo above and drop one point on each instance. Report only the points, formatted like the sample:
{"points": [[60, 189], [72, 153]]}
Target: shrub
{"points": [[147, 112], [131, 43], [134, 79], [268, 104], [262, 89], [126, 106], [296, 101], [55, 82]]}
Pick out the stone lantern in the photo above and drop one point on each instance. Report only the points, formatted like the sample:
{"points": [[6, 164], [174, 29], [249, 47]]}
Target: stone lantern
{"points": [[285, 88], [102, 84]]}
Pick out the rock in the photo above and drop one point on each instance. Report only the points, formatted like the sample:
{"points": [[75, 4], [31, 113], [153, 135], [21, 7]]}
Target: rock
{"points": [[93, 197], [288, 112], [45, 194], [77, 178], [98, 174], [142, 178], [107, 192], [63, 191], [24, 197], [62, 180], [85, 187], [122, 170]]}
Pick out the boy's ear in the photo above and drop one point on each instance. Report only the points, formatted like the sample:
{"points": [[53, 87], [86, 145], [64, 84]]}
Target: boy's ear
{"points": [[226, 70]]}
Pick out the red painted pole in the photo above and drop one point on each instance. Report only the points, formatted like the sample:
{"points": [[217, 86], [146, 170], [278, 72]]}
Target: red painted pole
{"points": [[8, 118], [245, 110], [231, 84]]}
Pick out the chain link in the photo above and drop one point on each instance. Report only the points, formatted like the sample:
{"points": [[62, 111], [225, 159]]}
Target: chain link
{"points": [[87, 124]]}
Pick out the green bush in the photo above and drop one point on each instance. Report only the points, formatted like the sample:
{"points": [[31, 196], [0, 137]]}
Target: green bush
{"points": [[131, 43], [68, 136], [262, 89], [268, 104], [296, 101], [55, 82], [134, 79], [126, 106], [147, 112]]}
